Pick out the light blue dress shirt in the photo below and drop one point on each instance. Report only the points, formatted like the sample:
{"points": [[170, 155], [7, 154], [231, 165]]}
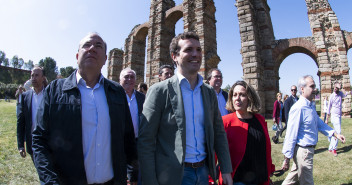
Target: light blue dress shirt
{"points": [[194, 112], [132, 103], [221, 103], [96, 132], [303, 127]]}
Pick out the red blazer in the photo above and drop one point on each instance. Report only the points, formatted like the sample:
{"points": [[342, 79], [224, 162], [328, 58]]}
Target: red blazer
{"points": [[276, 111], [237, 132]]}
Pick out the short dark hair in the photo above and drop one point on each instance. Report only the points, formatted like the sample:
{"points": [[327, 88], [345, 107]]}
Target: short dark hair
{"points": [[143, 86], [163, 67], [174, 47], [211, 71]]}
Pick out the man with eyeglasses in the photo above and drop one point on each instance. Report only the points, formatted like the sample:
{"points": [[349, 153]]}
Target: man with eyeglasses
{"points": [[334, 108], [288, 104], [215, 80]]}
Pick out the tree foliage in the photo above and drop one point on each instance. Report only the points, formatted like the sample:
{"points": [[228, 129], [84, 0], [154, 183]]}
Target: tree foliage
{"points": [[6, 62], [49, 66], [14, 61], [29, 65], [2, 57], [227, 88], [66, 71]]}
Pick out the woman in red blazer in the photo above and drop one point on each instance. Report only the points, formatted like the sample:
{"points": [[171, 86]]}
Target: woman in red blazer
{"points": [[248, 137]]}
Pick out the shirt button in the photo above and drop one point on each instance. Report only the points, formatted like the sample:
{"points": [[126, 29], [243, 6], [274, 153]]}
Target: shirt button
{"points": [[98, 144], [98, 163]]}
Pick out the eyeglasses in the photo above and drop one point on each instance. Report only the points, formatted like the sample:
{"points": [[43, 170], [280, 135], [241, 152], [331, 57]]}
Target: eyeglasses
{"points": [[293, 89]]}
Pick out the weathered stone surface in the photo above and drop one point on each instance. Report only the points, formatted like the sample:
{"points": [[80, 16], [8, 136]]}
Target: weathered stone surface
{"points": [[262, 55]]}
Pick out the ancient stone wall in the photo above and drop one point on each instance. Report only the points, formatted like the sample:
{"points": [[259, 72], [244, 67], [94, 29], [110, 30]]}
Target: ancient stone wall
{"points": [[262, 54], [198, 16]]}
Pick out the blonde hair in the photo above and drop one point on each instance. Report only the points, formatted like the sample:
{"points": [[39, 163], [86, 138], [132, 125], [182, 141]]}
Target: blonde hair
{"points": [[254, 102], [277, 95]]}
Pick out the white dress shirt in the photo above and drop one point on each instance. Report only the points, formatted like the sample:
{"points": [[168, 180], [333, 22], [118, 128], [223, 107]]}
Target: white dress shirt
{"points": [[96, 132], [36, 100]]}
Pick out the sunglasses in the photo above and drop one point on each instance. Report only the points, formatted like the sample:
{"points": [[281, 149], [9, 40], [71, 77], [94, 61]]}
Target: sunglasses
{"points": [[293, 89]]}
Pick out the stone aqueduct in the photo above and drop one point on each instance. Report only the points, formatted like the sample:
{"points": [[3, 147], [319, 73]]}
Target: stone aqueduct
{"points": [[262, 54]]}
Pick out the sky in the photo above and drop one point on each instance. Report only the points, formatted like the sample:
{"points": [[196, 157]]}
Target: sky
{"points": [[35, 29]]}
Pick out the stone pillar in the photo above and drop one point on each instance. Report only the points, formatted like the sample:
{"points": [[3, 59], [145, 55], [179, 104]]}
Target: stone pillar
{"points": [[158, 39], [134, 56], [199, 16], [256, 40], [115, 60], [332, 51]]}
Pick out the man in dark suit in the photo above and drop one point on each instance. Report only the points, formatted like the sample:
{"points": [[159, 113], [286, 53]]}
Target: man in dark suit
{"points": [[27, 109], [135, 101], [84, 133], [288, 104], [215, 80], [181, 127]]}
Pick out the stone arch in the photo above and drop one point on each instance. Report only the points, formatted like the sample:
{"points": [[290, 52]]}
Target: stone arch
{"points": [[348, 36], [134, 56], [286, 47]]}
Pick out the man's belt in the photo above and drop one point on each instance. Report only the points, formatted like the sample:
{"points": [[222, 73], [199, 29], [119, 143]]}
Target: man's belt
{"points": [[195, 165], [308, 146]]}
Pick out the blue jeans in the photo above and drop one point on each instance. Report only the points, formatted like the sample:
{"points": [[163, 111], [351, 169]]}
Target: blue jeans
{"points": [[195, 176]]}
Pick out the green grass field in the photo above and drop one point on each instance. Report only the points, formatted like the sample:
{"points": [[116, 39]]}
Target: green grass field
{"points": [[328, 170]]}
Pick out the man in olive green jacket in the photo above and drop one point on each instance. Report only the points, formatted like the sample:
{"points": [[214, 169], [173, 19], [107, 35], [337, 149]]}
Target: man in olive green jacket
{"points": [[181, 126]]}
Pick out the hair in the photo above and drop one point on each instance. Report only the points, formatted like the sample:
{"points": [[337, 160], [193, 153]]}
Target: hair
{"points": [[302, 82], [285, 97], [254, 102], [91, 34], [40, 68], [174, 47], [293, 86], [277, 94], [211, 71], [163, 67], [127, 70], [143, 85]]}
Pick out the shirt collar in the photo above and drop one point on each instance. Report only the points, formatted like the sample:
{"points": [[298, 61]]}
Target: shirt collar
{"points": [[220, 92], [83, 82], [182, 78], [41, 92], [306, 101]]}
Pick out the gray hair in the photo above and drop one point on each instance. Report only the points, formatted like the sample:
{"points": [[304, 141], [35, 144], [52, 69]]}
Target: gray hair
{"points": [[127, 70], [90, 34], [302, 82]]}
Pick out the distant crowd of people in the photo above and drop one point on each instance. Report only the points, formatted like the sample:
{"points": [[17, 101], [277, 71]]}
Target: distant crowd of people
{"points": [[86, 129]]}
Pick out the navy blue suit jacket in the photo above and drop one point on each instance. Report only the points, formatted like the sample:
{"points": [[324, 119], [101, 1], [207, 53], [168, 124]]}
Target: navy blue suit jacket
{"points": [[57, 138], [24, 122]]}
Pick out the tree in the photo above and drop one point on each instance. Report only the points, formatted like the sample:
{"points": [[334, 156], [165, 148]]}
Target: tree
{"points": [[20, 63], [29, 65], [14, 61], [66, 71], [2, 57], [6, 62], [227, 88], [49, 66]]}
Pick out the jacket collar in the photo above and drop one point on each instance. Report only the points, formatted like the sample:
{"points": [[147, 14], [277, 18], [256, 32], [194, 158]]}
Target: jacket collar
{"points": [[70, 82]]}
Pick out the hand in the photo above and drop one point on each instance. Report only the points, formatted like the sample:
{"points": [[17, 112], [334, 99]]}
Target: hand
{"points": [[227, 179], [286, 164], [22, 152], [341, 138]]}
